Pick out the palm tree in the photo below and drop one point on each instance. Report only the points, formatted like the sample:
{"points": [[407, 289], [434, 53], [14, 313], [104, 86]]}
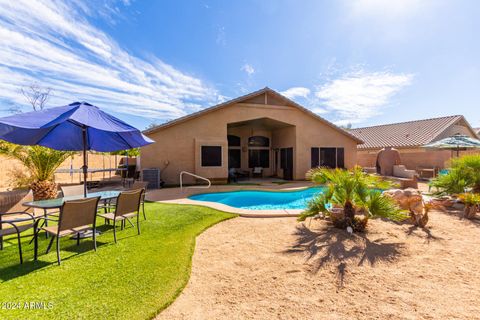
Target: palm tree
{"points": [[41, 164], [463, 175], [356, 193]]}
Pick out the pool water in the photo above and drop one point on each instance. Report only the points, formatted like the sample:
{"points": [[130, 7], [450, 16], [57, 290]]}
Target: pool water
{"points": [[262, 200]]}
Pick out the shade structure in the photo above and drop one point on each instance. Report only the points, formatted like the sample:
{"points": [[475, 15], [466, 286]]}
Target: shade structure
{"points": [[456, 143], [78, 126]]}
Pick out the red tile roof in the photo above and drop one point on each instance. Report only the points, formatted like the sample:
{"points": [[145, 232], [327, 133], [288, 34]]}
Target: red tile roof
{"points": [[404, 134]]}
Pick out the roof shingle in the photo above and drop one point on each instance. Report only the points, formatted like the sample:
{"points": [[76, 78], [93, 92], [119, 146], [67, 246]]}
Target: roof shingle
{"points": [[403, 134]]}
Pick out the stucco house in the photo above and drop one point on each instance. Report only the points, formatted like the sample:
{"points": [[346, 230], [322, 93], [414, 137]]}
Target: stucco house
{"points": [[408, 138], [263, 129]]}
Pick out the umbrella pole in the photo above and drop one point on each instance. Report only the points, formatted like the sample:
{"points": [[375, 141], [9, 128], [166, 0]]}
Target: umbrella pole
{"points": [[85, 167]]}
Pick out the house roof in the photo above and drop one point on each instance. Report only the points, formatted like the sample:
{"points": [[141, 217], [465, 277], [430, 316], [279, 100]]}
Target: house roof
{"points": [[406, 134], [246, 97], [477, 130]]}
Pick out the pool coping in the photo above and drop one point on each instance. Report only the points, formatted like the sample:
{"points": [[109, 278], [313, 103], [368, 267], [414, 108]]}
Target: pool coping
{"points": [[176, 196], [241, 212]]}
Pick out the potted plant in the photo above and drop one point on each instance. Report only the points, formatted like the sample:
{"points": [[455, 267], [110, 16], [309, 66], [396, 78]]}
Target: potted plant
{"points": [[40, 164]]}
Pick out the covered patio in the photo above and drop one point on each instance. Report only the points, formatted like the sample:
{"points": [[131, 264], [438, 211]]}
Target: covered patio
{"points": [[263, 143]]}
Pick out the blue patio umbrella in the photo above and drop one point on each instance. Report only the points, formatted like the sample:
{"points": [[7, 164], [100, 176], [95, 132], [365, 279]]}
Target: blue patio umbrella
{"points": [[78, 126]]}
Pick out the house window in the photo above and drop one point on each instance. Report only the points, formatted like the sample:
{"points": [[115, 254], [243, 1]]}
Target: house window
{"points": [[259, 158], [211, 156], [315, 157], [233, 141], [258, 152], [340, 158], [234, 158], [234, 152], [258, 141], [327, 157]]}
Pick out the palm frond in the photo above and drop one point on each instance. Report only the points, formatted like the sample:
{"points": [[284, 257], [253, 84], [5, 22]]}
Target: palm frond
{"points": [[379, 205], [41, 162]]}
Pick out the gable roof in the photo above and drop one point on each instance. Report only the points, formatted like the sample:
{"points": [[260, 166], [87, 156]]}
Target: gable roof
{"points": [[247, 97], [405, 134]]}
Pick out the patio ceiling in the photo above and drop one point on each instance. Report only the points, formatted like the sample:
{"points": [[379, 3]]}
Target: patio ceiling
{"points": [[261, 123]]}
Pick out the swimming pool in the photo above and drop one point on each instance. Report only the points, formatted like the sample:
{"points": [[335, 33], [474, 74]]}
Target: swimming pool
{"points": [[261, 200]]}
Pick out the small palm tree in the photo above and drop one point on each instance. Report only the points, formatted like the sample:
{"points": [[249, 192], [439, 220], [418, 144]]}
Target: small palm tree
{"points": [[41, 164], [464, 175], [355, 192]]}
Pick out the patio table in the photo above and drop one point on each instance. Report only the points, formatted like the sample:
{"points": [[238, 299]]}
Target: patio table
{"points": [[57, 203]]}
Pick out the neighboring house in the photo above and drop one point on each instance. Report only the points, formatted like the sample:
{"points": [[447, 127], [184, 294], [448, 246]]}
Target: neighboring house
{"points": [[261, 129], [408, 138]]}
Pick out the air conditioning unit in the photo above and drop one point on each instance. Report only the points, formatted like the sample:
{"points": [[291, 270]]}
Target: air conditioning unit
{"points": [[152, 176]]}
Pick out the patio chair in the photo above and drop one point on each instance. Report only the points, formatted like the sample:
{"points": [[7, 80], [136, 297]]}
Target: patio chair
{"points": [[257, 172], [18, 222], [129, 175], [141, 185], [76, 216], [77, 190], [128, 206], [70, 191], [14, 206]]}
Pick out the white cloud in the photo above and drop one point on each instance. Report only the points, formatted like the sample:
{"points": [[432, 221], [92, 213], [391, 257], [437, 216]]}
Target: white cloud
{"points": [[295, 92], [386, 10], [357, 96], [221, 36], [319, 110], [53, 44], [249, 69]]}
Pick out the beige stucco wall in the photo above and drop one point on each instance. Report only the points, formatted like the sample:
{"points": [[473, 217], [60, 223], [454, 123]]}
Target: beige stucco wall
{"points": [[411, 158], [177, 147]]}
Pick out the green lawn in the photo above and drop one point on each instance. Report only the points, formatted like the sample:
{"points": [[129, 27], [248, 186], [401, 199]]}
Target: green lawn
{"points": [[133, 279]]}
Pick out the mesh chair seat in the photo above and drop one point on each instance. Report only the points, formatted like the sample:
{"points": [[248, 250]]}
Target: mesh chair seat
{"points": [[111, 216], [54, 230], [15, 223], [127, 206], [75, 217]]}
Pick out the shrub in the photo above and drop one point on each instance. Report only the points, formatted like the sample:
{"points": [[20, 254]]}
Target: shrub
{"points": [[464, 175], [472, 204], [356, 192]]}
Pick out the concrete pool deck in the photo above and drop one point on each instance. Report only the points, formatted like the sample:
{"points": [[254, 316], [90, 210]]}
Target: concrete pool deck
{"points": [[177, 196]]}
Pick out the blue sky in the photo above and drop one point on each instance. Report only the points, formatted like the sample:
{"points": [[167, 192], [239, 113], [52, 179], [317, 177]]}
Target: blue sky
{"points": [[362, 62]]}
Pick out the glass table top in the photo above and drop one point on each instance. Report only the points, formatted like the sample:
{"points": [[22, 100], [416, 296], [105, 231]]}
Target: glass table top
{"points": [[58, 202]]}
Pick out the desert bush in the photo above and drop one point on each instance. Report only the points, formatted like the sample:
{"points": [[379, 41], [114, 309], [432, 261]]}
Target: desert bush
{"points": [[464, 175], [472, 204]]}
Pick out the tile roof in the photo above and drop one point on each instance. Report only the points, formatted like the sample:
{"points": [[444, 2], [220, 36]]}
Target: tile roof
{"points": [[404, 134]]}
